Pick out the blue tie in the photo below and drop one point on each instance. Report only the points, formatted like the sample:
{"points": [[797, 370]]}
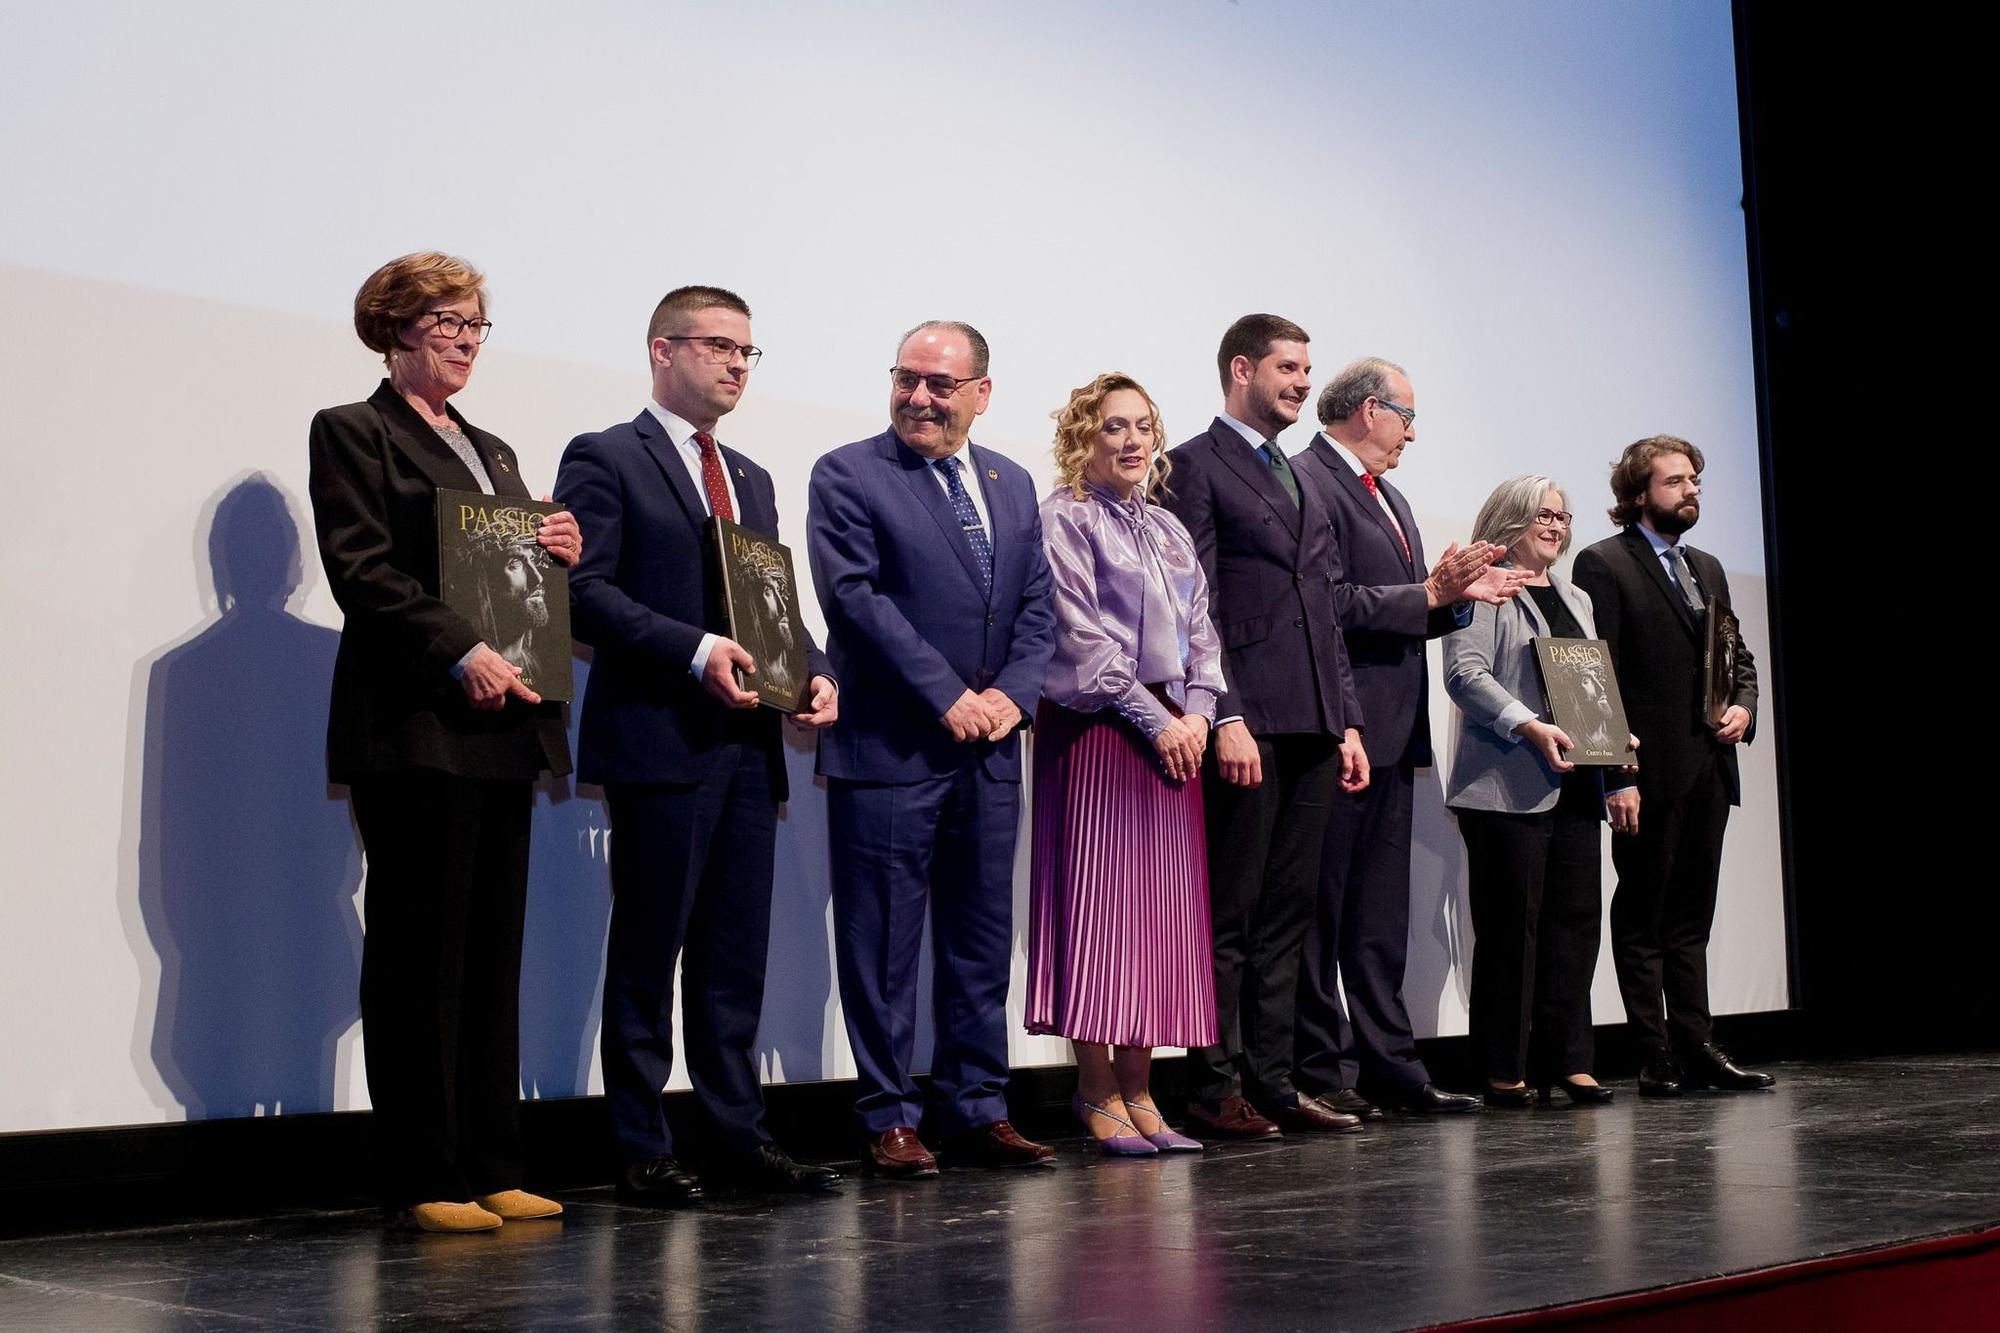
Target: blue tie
{"points": [[968, 520]]}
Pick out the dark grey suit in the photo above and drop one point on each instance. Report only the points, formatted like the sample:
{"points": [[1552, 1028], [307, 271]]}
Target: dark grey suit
{"points": [[1362, 925]]}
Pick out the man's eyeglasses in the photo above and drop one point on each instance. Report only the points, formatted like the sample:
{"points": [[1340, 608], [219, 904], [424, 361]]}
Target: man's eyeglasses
{"points": [[938, 386], [1408, 414], [1550, 518], [450, 323], [720, 350]]}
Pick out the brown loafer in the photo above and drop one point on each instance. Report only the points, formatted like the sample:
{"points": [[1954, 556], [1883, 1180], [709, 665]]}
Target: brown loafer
{"points": [[1310, 1116], [518, 1205], [997, 1144], [1231, 1118], [898, 1154]]}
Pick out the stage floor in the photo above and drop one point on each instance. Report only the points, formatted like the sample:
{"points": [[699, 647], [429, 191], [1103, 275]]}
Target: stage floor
{"points": [[1412, 1221]]}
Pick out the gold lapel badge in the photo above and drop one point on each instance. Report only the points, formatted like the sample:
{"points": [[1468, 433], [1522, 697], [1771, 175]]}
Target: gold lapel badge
{"points": [[993, 474]]}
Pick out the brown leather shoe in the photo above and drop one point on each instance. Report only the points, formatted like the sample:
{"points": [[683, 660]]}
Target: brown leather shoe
{"points": [[898, 1154], [1311, 1116], [997, 1144], [1232, 1118]]}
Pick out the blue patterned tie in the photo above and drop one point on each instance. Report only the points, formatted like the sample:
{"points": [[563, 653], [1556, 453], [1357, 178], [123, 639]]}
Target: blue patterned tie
{"points": [[968, 519]]}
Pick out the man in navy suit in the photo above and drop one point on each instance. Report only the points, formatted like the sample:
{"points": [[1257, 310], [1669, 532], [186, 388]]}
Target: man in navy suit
{"points": [[1287, 733], [692, 769], [927, 553], [1389, 604]]}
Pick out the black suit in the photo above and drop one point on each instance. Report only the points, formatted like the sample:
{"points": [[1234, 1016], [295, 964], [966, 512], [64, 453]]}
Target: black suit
{"points": [[1664, 905], [1271, 570], [441, 793], [1363, 923], [693, 787]]}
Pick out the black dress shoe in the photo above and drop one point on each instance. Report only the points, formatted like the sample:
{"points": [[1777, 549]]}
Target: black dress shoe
{"points": [[1511, 1098], [1659, 1076], [767, 1169], [1581, 1094], [1433, 1100], [659, 1183], [1710, 1067], [1349, 1102], [1308, 1115]]}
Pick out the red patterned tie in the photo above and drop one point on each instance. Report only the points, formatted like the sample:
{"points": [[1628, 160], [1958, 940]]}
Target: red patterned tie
{"points": [[1368, 480], [712, 479]]}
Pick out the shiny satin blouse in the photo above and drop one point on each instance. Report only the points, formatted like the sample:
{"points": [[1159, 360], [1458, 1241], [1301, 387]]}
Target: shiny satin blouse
{"points": [[1131, 610]]}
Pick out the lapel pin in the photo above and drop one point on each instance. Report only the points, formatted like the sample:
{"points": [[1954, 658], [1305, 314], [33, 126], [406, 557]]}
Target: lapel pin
{"points": [[993, 474], [503, 464], [739, 472]]}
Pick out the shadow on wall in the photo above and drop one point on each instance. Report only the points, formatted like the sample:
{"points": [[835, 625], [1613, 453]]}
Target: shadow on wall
{"points": [[1440, 924], [248, 869], [795, 1039], [562, 947]]}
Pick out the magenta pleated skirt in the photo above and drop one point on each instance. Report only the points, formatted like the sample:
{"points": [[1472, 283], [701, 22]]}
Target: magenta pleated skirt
{"points": [[1119, 949]]}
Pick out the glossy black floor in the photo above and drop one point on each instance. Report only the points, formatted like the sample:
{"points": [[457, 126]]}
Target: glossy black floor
{"points": [[1413, 1221]]}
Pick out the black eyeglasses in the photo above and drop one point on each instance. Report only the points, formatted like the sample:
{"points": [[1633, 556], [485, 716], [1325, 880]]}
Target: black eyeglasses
{"points": [[450, 323], [720, 350], [1408, 414], [1549, 518], [938, 386]]}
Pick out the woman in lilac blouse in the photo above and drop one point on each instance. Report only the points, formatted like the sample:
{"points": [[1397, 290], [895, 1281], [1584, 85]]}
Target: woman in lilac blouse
{"points": [[1118, 939]]}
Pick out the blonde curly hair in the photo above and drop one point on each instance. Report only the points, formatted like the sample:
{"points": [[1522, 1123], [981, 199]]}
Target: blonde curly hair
{"points": [[1079, 421]]}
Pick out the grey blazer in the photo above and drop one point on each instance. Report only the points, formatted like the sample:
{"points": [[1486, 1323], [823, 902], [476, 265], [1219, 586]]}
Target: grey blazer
{"points": [[1490, 673]]}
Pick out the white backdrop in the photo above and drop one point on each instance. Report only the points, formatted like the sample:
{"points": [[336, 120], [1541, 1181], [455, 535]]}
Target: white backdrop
{"points": [[1535, 208]]}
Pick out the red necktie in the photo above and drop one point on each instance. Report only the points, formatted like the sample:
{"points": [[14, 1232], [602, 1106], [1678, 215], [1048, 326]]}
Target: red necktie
{"points": [[712, 479], [1368, 480]]}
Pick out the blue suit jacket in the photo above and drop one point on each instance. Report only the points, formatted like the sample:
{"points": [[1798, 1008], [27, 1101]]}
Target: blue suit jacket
{"points": [[1383, 607], [643, 595], [909, 628], [1271, 570]]}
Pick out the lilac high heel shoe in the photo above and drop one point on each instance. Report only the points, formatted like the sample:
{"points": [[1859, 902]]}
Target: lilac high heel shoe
{"points": [[1129, 1144], [1167, 1140]]}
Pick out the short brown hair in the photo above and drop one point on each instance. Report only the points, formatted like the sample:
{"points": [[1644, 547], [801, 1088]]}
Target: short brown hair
{"points": [[1252, 336], [681, 302], [1632, 474], [403, 289], [1080, 419]]}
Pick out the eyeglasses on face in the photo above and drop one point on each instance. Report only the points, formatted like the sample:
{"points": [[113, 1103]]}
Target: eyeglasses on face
{"points": [[1551, 518], [1408, 414], [937, 386], [720, 350], [450, 323]]}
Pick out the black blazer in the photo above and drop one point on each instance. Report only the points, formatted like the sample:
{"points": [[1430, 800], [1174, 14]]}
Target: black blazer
{"points": [[1383, 608], [1271, 568], [1656, 648], [376, 470], [643, 595]]}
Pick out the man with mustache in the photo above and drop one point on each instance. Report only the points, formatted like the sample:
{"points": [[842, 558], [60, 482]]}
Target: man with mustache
{"points": [[693, 771], [1649, 591], [1287, 732], [927, 555]]}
